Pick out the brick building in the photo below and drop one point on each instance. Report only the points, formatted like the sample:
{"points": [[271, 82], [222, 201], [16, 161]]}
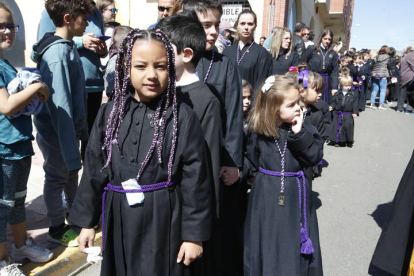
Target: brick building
{"points": [[317, 14]]}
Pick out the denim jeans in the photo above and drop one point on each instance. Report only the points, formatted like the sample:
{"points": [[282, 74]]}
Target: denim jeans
{"points": [[57, 177], [380, 85]]}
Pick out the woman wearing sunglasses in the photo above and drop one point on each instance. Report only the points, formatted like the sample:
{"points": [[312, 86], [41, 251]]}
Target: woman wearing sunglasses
{"points": [[109, 12]]}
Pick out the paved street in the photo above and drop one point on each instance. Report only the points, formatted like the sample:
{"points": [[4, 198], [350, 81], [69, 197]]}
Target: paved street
{"points": [[356, 190], [354, 193]]}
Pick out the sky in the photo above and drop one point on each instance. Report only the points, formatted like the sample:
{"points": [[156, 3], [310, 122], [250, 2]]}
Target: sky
{"points": [[383, 22]]}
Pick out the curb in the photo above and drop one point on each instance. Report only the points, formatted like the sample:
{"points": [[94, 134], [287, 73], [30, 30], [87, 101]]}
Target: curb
{"points": [[66, 261]]}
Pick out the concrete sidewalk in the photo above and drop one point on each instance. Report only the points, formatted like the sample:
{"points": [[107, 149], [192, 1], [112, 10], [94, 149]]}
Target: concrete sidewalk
{"points": [[66, 260]]}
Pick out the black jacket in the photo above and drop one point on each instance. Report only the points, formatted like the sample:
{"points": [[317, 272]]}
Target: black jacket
{"points": [[298, 46]]}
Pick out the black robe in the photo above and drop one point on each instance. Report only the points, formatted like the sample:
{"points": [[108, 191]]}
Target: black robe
{"points": [[344, 103], [225, 83], [272, 232], [365, 75], [327, 118], [256, 64], [315, 64], [395, 245], [315, 117], [281, 64], [145, 239], [207, 108]]}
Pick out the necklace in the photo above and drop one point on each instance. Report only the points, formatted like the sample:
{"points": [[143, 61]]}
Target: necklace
{"points": [[323, 61], [209, 67], [238, 52], [282, 172]]}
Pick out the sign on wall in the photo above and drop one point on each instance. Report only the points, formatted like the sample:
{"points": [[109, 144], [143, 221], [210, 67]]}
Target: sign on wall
{"points": [[231, 12]]}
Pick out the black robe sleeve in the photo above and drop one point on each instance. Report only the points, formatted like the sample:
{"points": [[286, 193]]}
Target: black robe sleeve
{"points": [[264, 68], [232, 155], [251, 160], [306, 146], [355, 102], [333, 76], [87, 206], [195, 184]]}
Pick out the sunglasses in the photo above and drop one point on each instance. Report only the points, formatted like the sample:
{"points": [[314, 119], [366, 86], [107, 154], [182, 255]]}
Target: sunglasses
{"points": [[162, 9], [12, 28], [306, 34], [112, 10]]}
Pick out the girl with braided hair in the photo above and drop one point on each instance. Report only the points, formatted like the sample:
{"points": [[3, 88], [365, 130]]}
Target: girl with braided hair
{"points": [[145, 169]]}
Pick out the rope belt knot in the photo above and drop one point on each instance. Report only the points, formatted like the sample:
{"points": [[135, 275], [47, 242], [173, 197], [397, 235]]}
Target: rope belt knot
{"points": [[119, 189]]}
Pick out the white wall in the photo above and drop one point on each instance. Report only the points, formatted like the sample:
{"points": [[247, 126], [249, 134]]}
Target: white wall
{"points": [[26, 14]]}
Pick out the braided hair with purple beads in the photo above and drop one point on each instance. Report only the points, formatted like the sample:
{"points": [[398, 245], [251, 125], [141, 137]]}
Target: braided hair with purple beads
{"points": [[122, 87]]}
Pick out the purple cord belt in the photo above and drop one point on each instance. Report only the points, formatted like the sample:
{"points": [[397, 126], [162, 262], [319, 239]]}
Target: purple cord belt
{"points": [[326, 88], [306, 242], [119, 189], [340, 121]]}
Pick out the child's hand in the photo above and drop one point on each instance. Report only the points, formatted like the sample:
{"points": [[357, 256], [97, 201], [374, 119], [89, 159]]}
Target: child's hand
{"points": [[101, 48], [355, 83], [189, 251], [43, 91], [330, 108], [297, 122], [354, 115], [86, 238], [334, 91], [229, 175]]}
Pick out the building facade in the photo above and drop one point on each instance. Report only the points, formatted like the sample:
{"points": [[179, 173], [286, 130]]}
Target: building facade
{"points": [[317, 14]]}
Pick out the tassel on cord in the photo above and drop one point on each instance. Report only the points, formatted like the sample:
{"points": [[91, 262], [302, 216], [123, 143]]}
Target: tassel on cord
{"points": [[306, 242]]}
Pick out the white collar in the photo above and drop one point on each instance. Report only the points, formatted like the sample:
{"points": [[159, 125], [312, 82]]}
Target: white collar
{"points": [[188, 80]]}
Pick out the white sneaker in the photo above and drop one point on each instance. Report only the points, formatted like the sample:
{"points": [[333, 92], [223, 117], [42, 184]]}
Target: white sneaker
{"points": [[372, 106], [10, 269], [31, 251], [381, 107]]}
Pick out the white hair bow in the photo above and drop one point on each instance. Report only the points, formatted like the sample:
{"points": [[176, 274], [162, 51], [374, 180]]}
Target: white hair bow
{"points": [[268, 84]]}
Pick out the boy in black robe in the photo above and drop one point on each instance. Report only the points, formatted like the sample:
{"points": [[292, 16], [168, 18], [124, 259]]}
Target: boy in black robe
{"points": [[188, 38], [344, 106], [222, 76]]}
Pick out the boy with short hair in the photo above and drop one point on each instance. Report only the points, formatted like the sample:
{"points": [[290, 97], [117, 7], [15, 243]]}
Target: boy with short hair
{"points": [[188, 39], [62, 120], [222, 76]]}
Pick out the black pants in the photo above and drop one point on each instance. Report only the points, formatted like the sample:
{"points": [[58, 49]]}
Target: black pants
{"points": [[394, 92], [94, 103], [401, 99]]}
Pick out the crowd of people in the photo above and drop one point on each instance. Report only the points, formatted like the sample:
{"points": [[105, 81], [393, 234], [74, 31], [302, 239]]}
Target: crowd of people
{"points": [[202, 160]]}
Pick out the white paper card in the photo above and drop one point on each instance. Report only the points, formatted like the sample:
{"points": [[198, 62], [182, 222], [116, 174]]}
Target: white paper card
{"points": [[133, 198], [394, 80]]}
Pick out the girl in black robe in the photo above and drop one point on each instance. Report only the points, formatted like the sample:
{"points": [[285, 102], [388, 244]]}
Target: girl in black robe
{"points": [[144, 136], [253, 60], [324, 61], [281, 235], [344, 106], [282, 52]]}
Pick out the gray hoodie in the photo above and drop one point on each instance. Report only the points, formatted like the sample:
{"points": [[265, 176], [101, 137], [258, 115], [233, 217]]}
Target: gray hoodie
{"points": [[381, 66], [65, 111]]}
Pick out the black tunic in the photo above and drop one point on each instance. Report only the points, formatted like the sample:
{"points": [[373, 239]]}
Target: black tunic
{"points": [[207, 108], [315, 64], [225, 83], [281, 64], [327, 118], [145, 239], [272, 232], [256, 64], [395, 245], [344, 103]]}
